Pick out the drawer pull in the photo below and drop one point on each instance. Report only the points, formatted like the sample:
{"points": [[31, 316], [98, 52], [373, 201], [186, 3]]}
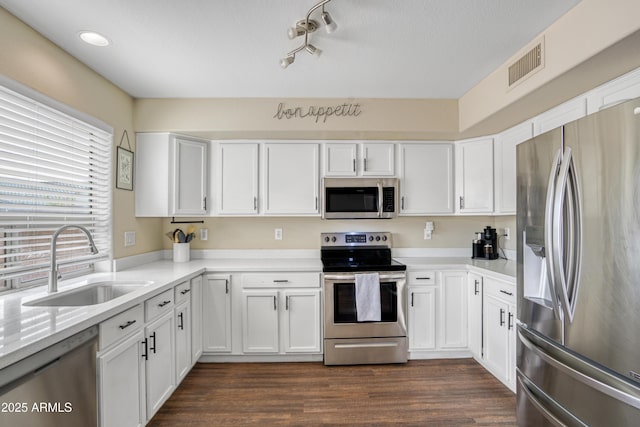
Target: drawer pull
{"points": [[423, 278], [145, 353], [280, 281], [153, 348], [181, 323], [186, 291], [506, 292], [163, 303], [126, 325]]}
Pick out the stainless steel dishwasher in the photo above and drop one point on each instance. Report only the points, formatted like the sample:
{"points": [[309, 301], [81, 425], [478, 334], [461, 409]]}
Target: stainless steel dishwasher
{"points": [[54, 387]]}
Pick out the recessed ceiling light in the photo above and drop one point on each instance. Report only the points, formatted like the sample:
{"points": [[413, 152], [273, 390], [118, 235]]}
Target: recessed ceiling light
{"points": [[93, 38]]}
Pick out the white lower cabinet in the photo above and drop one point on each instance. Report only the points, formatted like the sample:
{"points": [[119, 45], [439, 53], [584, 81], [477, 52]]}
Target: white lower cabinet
{"points": [[422, 317], [196, 319], [121, 371], [281, 313], [183, 329], [216, 314], [437, 313], [160, 364], [475, 314], [498, 329]]}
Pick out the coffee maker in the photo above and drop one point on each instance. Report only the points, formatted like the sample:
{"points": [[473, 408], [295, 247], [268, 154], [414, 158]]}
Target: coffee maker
{"points": [[485, 245]]}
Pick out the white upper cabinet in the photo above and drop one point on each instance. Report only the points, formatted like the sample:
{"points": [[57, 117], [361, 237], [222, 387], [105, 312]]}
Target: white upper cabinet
{"points": [[359, 159], [340, 159], [170, 175], [474, 176], [291, 179], [505, 166], [426, 171], [622, 89], [237, 179], [564, 113]]}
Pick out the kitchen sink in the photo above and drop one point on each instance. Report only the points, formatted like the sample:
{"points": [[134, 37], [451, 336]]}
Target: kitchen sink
{"points": [[91, 294]]}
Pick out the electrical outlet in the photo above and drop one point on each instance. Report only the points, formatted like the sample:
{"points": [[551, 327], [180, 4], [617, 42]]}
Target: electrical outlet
{"points": [[129, 238], [278, 233], [507, 233], [204, 234]]}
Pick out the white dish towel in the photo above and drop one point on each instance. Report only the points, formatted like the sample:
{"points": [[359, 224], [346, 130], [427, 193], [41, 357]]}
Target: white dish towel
{"points": [[368, 307]]}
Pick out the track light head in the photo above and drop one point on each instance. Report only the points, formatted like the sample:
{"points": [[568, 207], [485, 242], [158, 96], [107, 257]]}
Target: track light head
{"points": [[329, 24], [287, 60], [313, 50]]}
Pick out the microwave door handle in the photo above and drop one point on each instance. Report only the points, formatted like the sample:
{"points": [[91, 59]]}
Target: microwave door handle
{"points": [[380, 198]]}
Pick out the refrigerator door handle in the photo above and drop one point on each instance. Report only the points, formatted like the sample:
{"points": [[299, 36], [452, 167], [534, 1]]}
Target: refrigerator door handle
{"points": [[549, 216], [542, 402], [567, 232], [580, 370]]}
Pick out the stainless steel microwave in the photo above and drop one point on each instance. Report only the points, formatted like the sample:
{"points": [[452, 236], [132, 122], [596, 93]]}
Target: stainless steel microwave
{"points": [[359, 198]]}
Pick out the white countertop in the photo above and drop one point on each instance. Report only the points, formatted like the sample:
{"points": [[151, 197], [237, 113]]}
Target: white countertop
{"points": [[26, 330]]}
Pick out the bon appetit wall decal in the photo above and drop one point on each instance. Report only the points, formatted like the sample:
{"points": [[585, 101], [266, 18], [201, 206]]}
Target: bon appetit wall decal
{"points": [[317, 112]]}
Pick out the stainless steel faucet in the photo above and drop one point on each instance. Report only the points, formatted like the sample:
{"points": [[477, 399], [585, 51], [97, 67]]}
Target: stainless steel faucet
{"points": [[53, 272]]}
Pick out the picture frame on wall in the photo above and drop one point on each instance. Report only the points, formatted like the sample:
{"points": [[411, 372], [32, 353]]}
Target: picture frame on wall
{"points": [[124, 169]]}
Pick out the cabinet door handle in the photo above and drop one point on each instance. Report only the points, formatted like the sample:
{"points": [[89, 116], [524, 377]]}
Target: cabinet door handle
{"points": [[402, 203], [275, 306], [354, 164], [411, 299], [153, 348], [506, 292], [163, 303], [204, 202], [186, 291], [181, 322], [461, 202], [255, 203], [226, 286], [126, 325], [502, 316], [316, 203], [286, 305], [476, 289], [510, 325], [145, 352], [365, 164]]}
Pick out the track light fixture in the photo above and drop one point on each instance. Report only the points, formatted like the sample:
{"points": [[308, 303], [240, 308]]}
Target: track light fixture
{"points": [[304, 28]]}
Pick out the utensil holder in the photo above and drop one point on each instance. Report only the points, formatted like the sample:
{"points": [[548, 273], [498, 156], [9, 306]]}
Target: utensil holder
{"points": [[181, 252]]}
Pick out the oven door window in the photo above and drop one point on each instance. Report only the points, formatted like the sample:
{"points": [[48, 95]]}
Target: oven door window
{"points": [[347, 199], [344, 302]]}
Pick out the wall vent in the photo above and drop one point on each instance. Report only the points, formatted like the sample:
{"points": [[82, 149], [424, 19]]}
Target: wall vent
{"points": [[527, 64]]}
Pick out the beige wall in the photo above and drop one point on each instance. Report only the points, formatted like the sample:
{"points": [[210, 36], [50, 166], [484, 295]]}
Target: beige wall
{"points": [[576, 49], [304, 233], [35, 62]]}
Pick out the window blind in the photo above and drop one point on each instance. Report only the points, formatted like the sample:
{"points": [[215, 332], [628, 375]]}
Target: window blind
{"points": [[54, 171]]}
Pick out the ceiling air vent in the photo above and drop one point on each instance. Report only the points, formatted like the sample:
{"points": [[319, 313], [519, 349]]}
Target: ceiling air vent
{"points": [[527, 64]]}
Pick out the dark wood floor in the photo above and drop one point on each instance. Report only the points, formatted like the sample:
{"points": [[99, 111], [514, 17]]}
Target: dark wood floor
{"points": [[453, 392]]}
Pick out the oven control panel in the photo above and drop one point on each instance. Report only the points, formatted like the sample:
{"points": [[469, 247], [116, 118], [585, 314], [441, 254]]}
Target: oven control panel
{"points": [[356, 238]]}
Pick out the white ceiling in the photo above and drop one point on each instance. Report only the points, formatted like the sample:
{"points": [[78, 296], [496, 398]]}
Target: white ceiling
{"points": [[231, 48]]}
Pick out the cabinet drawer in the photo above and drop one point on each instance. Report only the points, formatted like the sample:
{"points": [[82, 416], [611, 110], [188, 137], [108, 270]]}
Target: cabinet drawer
{"points": [[499, 289], [158, 305], [182, 292], [120, 325], [421, 277], [288, 280]]}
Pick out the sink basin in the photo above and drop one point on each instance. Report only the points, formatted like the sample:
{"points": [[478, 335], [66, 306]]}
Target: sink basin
{"points": [[92, 294]]}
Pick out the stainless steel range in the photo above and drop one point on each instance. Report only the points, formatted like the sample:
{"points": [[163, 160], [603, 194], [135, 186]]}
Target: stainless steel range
{"points": [[364, 300]]}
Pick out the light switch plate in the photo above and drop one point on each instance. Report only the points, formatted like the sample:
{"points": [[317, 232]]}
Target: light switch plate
{"points": [[278, 233]]}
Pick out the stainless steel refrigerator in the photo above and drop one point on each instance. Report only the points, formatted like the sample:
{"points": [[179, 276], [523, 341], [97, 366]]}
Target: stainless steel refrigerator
{"points": [[578, 223]]}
